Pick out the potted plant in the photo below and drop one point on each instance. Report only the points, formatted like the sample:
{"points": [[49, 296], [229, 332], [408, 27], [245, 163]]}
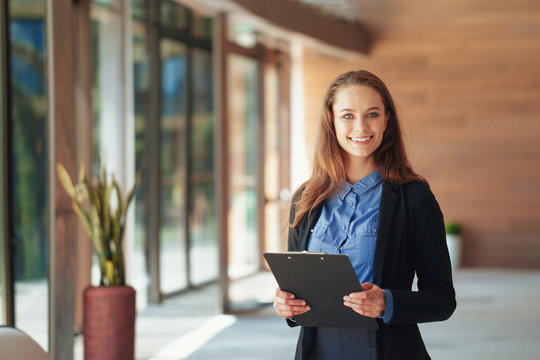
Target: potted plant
{"points": [[453, 241], [109, 309]]}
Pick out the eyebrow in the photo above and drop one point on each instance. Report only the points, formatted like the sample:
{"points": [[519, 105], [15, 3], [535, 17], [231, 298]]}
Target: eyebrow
{"points": [[352, 110]]}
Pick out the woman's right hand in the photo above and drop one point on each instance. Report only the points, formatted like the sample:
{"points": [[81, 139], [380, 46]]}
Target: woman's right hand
{"points": [[287, 305]]}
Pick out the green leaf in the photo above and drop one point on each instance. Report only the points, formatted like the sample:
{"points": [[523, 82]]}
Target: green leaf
{"points": [[65, 180]]}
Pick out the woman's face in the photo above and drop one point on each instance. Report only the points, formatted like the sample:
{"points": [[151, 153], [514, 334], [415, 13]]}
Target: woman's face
{"points": [[360, 120]]}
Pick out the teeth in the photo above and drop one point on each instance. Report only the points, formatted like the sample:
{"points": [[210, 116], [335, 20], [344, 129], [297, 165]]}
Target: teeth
{"points": [[361, 139]]}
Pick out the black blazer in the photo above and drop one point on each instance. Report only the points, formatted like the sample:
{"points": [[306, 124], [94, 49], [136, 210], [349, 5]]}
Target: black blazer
{"points": [[410, 240]]}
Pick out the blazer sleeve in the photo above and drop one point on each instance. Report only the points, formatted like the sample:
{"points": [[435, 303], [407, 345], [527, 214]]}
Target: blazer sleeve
{"points": [[435, 298], [292, 240]]}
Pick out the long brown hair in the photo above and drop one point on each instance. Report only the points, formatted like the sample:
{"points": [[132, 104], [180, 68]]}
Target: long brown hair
{"points": [[329, 161]]}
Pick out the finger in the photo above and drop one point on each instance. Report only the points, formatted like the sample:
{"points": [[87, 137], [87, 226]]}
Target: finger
{"points": [[284, 294], [286, 301], [291, 311], [367, 286], [370, 291], [371, 308], [373, 312]]}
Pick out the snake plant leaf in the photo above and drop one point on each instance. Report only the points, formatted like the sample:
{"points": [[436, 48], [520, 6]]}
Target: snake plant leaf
{"points": [[121, 206], [96, 236], [106, 209], [131, 192], [93, 199], [81, 173], [83, 216], [110, 273], [65, 180]]}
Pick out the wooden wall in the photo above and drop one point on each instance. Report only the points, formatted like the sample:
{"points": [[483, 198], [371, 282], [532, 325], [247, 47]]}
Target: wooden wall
{"points": [[465, 75]]}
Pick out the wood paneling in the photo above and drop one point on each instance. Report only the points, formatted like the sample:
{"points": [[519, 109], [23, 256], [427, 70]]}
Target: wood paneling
{"points": [[466, 79]]}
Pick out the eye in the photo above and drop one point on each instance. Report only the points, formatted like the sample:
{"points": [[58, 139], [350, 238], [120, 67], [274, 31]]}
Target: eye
{"points": [[372, 115], [348, 116]]}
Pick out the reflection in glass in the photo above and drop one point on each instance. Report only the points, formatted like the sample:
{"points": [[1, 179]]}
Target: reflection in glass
{"points": [[173, 166], [28, 167], [141, 84], [243, 118], [173, 14], [138, 9], [202, 209], [243, 34], [202, 26], [107, 91], [111, 3]]}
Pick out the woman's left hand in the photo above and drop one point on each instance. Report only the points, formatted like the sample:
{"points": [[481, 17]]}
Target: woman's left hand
{"points": [[370, 302]]}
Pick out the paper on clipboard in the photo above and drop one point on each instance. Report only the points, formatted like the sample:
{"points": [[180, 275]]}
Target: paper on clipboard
{"points": [[322, 280]]}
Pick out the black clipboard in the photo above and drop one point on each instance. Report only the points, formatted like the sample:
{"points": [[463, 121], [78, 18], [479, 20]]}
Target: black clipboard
{"points": [[322, 280]]}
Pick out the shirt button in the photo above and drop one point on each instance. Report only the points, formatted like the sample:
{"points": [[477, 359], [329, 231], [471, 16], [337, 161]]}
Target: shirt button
{"points": [[344, 227], [376, 230], [351, 204], [311, 230], [337, 249]]}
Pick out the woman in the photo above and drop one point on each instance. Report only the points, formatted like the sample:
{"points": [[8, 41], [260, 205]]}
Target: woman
{"points": [[364, 200]]}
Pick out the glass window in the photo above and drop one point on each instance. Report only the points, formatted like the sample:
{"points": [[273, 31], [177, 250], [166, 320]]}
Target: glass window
{"points": [[242, 34], [202, 26], [138, 9], [243, 150], [107, 88], [173, 14], [141, 85], [28, 167], [204, 249], [173, 249], [273, 225], [111, 3]]}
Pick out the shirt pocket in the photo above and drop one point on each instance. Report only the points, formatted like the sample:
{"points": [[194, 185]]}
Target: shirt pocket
{"points": [[316, 241], [361, 244]]}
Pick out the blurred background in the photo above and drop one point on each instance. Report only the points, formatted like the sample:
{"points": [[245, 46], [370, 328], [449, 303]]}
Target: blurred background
{"points": [[216, 104]]}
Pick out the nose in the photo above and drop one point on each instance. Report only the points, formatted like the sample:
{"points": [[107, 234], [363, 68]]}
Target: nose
{"points": [[359, 123]]}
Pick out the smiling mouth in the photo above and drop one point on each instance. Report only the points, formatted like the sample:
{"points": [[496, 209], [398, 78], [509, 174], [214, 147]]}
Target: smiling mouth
{"points": [[360, 139]]}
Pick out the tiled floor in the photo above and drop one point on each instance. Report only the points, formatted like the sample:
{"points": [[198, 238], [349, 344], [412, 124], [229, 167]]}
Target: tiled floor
{"points": [[497, 318]]}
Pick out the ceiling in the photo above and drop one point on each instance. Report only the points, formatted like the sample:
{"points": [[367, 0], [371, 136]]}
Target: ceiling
{"points": [[370, 13]]}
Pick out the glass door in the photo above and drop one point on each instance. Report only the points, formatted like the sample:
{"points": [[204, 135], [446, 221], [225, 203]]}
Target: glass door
{"points": [[276, 156], [173, 160], [27, 172], [243, 104], [203, 245]]}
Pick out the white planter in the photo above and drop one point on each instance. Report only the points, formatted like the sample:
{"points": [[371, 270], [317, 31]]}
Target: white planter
{"points": [[454, 248]]}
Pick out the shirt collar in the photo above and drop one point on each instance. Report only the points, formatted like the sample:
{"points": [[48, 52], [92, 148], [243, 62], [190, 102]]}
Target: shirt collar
{"points": [[361, 186]]}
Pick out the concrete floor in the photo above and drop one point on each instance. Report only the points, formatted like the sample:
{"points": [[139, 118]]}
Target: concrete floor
{"points": [[498, 317]]}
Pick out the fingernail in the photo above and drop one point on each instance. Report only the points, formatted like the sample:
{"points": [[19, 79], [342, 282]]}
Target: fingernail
{"points": [[303, 303], [308, 307]]}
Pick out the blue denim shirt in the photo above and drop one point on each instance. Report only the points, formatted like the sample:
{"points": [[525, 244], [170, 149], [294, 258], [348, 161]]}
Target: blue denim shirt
{"points": [[348, 225]]}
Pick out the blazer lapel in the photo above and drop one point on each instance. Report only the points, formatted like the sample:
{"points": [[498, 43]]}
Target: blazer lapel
{"points": [[307, 226], [389, 199]]}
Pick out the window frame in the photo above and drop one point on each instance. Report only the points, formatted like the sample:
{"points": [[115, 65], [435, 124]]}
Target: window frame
{"points": [[6, 283]]}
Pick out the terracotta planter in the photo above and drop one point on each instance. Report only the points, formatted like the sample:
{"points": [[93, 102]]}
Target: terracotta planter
{"points": [[109, 323]]}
